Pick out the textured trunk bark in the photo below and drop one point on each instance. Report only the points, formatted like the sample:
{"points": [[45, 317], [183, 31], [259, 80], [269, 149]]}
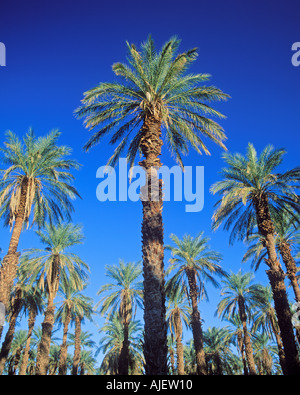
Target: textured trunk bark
{"points": [[196, 324], [276, 278], [125, 312], [179, 346], [16, 308], [47, 326], [77, 349], [62, 371], [247, 340], [155, 330], [8, 270], [25, 358], [291, 268]]}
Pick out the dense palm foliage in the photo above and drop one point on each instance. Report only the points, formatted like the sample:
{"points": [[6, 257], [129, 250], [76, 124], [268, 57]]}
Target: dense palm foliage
{"points": [[151, 316]]}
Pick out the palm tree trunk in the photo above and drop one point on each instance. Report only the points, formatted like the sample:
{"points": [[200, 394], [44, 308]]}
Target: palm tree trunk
{"points": [[44, 346], [8, 270], [291, 268], [31, 323], [196, 324], [77, 349], [179, 346], [125, 312], [247, 340], [16, 308], [276, 278], [155, 331], [64, 347]]}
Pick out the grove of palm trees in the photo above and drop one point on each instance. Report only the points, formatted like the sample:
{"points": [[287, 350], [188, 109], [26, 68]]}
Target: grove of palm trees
{"points": [[141, 288]]}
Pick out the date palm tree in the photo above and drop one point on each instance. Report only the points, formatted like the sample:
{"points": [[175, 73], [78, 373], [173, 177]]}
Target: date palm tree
{"points": [[240, 294], [252, 194], [124, 294], [50, 266], [71, 302], [154, 99], [194, 264], [178, 312], [35, 186]]}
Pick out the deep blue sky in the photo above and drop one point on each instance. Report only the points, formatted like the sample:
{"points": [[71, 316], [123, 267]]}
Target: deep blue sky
{"points": [[57, 50]]}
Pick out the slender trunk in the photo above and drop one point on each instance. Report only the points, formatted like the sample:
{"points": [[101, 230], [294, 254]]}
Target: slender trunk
{"points": [[16, 308], [276, 278], [247, 340], [196, 323], [279, 346], [125, 312], [172, 361], [155, 330], [77, 349], [179, 346], [64, 347], [8, 270], [241, 347], [31, 322], [42, 360]]}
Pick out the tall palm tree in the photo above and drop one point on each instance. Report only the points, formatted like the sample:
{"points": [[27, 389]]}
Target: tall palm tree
{"points": [[50, 266], [124, 294], [217, 343], [153, 98], [252, 194], [111, 345], [240, 294], [34, 305], [178, 311], [36, 185], [69, 306], [194, 264], [237, 338], [83, 310]]}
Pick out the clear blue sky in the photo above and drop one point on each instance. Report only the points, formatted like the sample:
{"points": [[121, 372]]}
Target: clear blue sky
{"points": [[57, 50]]}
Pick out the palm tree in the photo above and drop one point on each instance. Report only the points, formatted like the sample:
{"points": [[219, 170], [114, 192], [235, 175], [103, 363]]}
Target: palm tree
{"points": [[70, 305], [16, 350], [34, 305], [178, 311], [111, 345], [155, 95], [253, 195], [194, 263], [264, 353], [83, 309], [38, 181], [124, 294], [240, 294], [217, 343], [50, 266]]}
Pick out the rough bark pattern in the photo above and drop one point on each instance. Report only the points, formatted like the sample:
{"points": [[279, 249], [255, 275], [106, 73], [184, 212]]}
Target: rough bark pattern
{"points": [[77, 349], [291, 268], [196, 324], [276, 277], [155, 335], [16, 308], [25, 358], [10, 261], [47, 326], [64, 347], [247, 340], [179, 346]]}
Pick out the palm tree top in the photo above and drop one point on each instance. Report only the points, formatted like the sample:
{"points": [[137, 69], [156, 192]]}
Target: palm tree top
{"points": [[153, 84], [248, 179], [45, 168]]}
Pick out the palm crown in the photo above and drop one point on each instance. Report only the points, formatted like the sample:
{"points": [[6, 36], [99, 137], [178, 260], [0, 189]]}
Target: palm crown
{"points": [[249, 179], [44, 167], [153, 84]]}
